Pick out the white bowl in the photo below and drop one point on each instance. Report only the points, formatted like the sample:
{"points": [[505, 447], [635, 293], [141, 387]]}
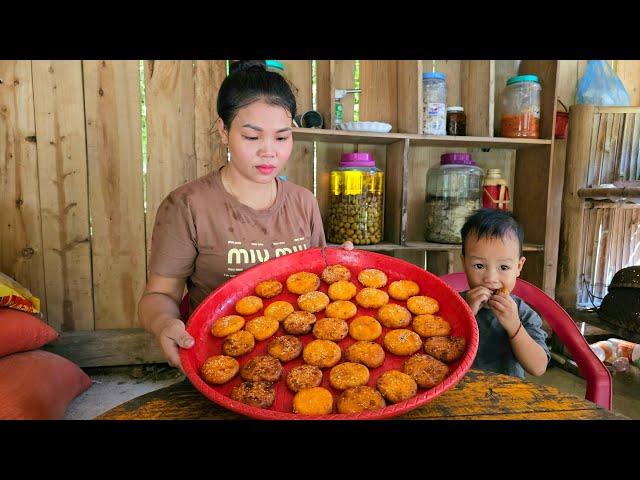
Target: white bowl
{"points": [[378, 127]]}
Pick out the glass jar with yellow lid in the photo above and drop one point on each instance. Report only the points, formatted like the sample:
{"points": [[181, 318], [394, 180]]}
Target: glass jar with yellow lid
{"points": [[356, 208]]}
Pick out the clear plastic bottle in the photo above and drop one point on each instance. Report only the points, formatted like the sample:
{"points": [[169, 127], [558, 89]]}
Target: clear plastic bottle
{"points": [[434, 100], [605, 350], [624, 348], [521, 107], [454, 190], [356, 201]]}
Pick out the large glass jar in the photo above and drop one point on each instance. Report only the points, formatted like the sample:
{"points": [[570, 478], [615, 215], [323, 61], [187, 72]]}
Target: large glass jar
{"points": [[434, 103], [356, 201], [521, 107], [454, 191]]}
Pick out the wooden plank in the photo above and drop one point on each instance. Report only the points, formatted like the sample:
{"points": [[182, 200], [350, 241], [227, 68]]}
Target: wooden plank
{"points": [[531, 185], [343, 78], [587, 272], [546, 70], [582, 261], [299, 168], [108, 348], [114, 155], [417, 257], [555, 190], [420, 160], [600, 146], [617, 242], [567, 82], [409, 96], [62, 173], [598, 241], [395, 212], [171, 153], [628, 71], [477, 95], [606, 151], [21, 255], [634, 170], [625, 151], [612, 164], [593, 148], [379, 96], [211, 153], [608, 146], [324, 95]]}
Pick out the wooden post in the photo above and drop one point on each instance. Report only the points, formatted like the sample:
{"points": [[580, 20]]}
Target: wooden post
{"points": [[571, 234]]}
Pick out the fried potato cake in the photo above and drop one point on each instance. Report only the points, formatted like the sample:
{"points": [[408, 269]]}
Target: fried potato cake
{"points": [[402, 342], [219, 369]]}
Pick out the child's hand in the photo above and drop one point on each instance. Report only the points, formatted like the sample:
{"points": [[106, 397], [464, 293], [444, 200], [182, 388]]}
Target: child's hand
{"points": [[506, 311], [477, 298]]}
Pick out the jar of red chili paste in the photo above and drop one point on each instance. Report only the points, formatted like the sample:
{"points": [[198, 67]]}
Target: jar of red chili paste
{"points": [[521, 107]]}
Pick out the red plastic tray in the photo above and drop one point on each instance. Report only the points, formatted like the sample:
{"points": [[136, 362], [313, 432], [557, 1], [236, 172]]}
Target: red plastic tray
{"points": [[221, 302]]}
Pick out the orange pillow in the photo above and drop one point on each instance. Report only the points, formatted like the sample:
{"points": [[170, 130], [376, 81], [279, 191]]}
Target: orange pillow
{"points": [[20, 332], [38, 385]]}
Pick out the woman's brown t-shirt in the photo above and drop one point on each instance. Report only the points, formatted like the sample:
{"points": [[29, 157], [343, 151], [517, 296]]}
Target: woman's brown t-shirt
{"points": [[204, 235]]}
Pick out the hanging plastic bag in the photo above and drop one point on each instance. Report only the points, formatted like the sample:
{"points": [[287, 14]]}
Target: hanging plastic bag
{"points": [[601, 86]]}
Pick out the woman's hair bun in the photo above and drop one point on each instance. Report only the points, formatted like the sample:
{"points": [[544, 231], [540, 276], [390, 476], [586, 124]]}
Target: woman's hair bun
{"points": [[243, 65]]}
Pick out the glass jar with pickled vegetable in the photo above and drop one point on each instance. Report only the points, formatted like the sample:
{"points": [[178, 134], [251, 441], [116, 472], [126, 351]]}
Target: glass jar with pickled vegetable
{"points": [[454, 191], [356, 201], [521, 107]]}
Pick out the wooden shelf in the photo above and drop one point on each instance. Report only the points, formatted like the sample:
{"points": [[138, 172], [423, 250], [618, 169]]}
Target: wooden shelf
{"points": [[428, 246], [476, 142], [591, 317], [341, 136]]}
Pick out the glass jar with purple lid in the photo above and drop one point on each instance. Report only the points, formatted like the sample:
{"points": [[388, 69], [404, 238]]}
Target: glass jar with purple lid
{"points": [[454, 191], [356, 195]]}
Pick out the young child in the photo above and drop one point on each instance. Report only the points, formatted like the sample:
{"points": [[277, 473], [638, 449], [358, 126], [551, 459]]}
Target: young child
{"points": [[511, 337]]}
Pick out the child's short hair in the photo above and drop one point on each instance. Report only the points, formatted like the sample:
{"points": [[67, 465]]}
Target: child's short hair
{"points": [[492, 223]]}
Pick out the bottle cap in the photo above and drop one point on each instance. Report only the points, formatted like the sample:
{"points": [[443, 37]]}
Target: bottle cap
{"points": [[357, 159]]}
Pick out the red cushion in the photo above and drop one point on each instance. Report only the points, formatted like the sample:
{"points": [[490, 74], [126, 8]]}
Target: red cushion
{"points": [[38, 385], [21, 331]]}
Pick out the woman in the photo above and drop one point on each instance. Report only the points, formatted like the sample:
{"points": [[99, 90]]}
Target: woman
{"points": [[212, 228]]}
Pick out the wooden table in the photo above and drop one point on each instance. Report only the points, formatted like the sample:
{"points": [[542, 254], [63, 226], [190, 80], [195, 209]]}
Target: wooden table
{"points": [[479, 395]]}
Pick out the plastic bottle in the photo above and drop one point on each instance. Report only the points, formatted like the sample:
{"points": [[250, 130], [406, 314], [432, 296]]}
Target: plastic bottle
{"points": [[605, 350], [623, 347], [495, 192], [635, 355]]}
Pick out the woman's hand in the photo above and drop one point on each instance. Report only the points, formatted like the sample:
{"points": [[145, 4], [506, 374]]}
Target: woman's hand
{"points": [[348, 245], [172, 336]]}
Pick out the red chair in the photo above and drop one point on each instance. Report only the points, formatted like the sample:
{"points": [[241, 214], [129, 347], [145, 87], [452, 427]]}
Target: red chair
{"points": [[599, 383]]}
